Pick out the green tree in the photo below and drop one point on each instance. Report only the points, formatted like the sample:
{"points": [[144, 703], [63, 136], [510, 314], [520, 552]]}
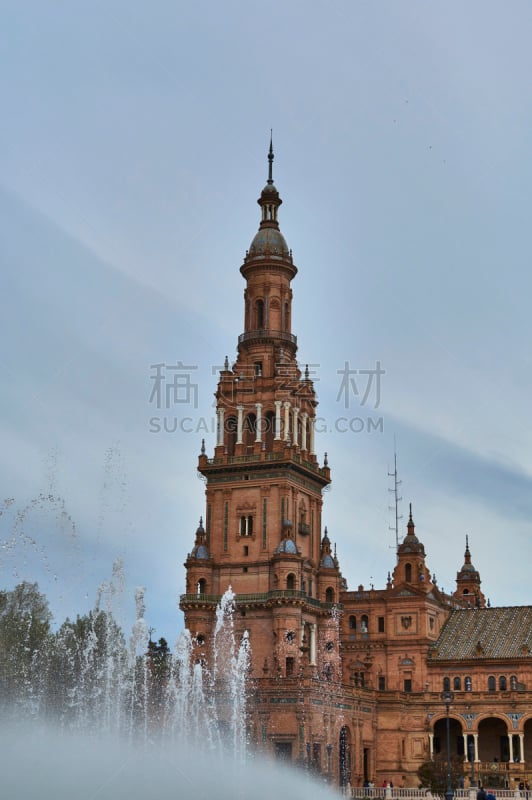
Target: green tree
{"points": [[158, 672], [25, 639]]}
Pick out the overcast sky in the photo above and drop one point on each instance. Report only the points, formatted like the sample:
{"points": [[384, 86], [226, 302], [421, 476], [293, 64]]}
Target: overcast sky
{"points": [[132, 151]]}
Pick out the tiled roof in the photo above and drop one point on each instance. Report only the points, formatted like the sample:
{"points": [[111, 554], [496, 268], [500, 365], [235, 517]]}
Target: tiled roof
{"points": [[482, 633]]}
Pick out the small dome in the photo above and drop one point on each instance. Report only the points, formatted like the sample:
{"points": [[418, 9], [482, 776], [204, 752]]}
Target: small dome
{"points": [[200, 552], [328, 562], [268, 241], [287, 546]]}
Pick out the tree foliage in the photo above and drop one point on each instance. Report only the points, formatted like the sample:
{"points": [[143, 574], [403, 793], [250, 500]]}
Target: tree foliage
{"points": [[433, 774], [81, 674], [25, 634]]}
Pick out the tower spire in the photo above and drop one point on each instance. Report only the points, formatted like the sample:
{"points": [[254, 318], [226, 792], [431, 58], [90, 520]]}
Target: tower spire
{"points": [[270, 159]]}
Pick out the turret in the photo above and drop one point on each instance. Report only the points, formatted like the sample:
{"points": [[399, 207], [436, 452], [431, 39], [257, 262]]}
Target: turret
{"points": [[468, 582]]}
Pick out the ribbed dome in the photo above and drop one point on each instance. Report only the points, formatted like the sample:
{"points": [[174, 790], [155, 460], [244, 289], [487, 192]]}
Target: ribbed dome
{"points": [[268, 241], [328, 562]]}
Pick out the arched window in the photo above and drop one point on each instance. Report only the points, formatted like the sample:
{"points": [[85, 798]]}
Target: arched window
{"points": [[513, 682], [457, 684], [329, 594], [502, 683], [259, 307], [467, 683], [364, 623], [202, 586], [491, 684], [408, 573], [231, 428], [353, 623], [291, 582], [446, 684]]}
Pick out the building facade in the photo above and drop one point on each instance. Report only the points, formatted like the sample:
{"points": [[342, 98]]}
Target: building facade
{"points": [[356, 685]]}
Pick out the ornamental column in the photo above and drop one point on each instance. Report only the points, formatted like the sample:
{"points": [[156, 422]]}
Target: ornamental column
{"points": [[239, 424], [312, 653], [220, 427], [258, 406], [286, 420], [304, 417], [278, 404]]}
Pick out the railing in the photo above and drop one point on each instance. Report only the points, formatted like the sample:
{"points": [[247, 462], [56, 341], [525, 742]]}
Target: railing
{"points": [[255, 458], [265, 333], [380, 793]]}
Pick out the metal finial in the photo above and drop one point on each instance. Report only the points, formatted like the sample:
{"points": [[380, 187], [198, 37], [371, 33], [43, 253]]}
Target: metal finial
{"points": [[325, 460], [203, 447], [270, 159], [226, 364], [410, 520]]}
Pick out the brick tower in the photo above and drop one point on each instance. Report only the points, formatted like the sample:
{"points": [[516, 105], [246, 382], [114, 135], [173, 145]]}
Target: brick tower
{"points": [[262, 534], [263, 524]]}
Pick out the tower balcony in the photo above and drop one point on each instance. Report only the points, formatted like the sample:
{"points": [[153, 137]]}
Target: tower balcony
{"points": [[255, 464], [255, 599], [262, 335]]}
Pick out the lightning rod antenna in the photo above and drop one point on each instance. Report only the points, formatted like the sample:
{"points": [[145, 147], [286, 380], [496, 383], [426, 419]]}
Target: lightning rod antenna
{"points": [[397, 499]]}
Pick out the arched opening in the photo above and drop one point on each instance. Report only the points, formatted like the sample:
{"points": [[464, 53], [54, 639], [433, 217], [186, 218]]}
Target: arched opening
{"points": [[291, 582], [440, 739], [344, 756], [457, 684], [502, 683], [364, 623], [492, 684], [202, 586], [268, 430], [352, 623], [467, 683], [493, 742], [408, 573], [446, 684], [286, 317], [329, 594], [250, 430], [231, 429]]}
